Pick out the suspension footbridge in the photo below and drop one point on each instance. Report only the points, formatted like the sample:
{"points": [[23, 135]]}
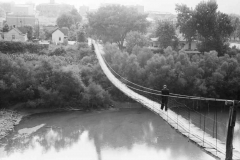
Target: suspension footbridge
{"points": [[199, 135]]}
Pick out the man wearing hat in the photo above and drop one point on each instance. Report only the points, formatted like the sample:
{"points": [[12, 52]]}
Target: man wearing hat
{"points": [[165, 91]]}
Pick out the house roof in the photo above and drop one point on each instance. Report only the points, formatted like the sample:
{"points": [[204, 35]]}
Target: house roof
{"points": [[20, 30], [154, 39], [50, 29], [63, 30], [23, 30]]}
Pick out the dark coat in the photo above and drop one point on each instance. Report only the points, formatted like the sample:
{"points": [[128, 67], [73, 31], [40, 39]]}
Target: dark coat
{"points": [[165, 91]]}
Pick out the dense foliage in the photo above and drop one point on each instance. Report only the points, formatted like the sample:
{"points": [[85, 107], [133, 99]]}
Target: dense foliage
{"points": [[213, 28], [205, 74], [112, 23], [5, 28], [66, 76], [81, 35], [135, 38], [20, 47], [69, 18], [236, 25], [166, 34], [186, 23]]}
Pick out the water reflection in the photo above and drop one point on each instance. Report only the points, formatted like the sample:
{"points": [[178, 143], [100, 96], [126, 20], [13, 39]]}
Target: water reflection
{"points": [[128, 134], [222, 125]]}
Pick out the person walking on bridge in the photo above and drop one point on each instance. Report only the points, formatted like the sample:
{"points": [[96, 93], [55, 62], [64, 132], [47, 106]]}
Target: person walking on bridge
{"points": [[165, 91]]}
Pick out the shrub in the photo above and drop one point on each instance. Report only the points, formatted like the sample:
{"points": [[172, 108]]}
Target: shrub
{"points": [[20, 47], [58, 51]]}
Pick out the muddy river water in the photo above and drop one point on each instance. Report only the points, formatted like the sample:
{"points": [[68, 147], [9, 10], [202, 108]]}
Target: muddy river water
{"points": [[126, 134]]}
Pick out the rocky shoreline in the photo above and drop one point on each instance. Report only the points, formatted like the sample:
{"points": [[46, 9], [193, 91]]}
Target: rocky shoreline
{"points": [[8, 119]]}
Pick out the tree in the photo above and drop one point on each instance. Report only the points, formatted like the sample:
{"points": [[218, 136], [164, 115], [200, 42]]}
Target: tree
{"points": [[186, 22], [65, 20], [236, 25], [5, 28], [36, 31], [135, 38], [47, 34], [112, 23], [166, 34], [29, 32], [76, 16], [81, 35], [213, 27]]}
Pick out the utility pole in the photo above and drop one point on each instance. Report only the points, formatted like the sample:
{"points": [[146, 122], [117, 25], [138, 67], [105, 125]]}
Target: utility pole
{"points": [[230, 132]]}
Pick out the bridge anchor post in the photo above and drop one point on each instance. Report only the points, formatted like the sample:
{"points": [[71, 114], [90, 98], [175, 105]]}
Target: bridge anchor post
{"points": [[230, 132]]}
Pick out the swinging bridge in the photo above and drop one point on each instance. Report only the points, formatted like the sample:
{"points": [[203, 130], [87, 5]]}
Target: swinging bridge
{"points": [[204, 135]]}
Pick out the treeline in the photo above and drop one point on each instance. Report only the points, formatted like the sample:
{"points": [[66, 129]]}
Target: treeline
{"points": [[198, 74], [59, 77]]}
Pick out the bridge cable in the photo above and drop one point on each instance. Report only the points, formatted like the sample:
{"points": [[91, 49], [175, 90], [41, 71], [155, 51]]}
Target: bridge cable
{"points": [[187, 96]]}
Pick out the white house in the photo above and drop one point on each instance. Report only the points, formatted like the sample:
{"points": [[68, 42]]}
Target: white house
{"points": [[60, 35], [16, 34], [184, 45], [154, 42]]}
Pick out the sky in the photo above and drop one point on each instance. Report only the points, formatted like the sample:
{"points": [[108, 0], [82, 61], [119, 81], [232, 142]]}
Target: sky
{"points": [[226, 6]]}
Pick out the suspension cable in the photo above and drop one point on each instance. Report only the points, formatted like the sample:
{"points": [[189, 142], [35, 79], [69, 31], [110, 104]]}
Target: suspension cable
{"points": [[171, 94], [182, 96]]}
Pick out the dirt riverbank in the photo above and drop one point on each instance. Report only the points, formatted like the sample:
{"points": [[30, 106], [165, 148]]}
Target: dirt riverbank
{"points": [[8, 119]]}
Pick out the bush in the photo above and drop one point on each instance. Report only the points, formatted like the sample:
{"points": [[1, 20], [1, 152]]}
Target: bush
{"points": [[58, 51], [20, 47], [35, 80]]}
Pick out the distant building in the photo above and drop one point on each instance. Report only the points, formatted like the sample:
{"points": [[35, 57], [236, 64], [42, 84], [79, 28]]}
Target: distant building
{"points": [[23, 9], [139, 8], [83, 10], [162, 16], [184, 45], [16, 34], [49, 9], [7, 6], [53, 9], [60, 35], [52, 1], [107, 4], [20, 20], [154, 43]]}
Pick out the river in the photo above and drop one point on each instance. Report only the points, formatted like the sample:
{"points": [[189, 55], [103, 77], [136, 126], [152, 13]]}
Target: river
{"points": [[125, 134]]}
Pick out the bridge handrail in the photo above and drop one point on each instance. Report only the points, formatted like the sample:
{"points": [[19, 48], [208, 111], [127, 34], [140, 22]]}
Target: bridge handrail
{"points": [[171, 94]]}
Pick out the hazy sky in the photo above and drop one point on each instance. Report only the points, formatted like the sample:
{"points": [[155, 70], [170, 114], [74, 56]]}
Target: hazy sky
{"points": [[226, 6]]}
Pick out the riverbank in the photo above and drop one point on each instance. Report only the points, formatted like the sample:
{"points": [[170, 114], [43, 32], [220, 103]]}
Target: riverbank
{"points": [[8, 119]]}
